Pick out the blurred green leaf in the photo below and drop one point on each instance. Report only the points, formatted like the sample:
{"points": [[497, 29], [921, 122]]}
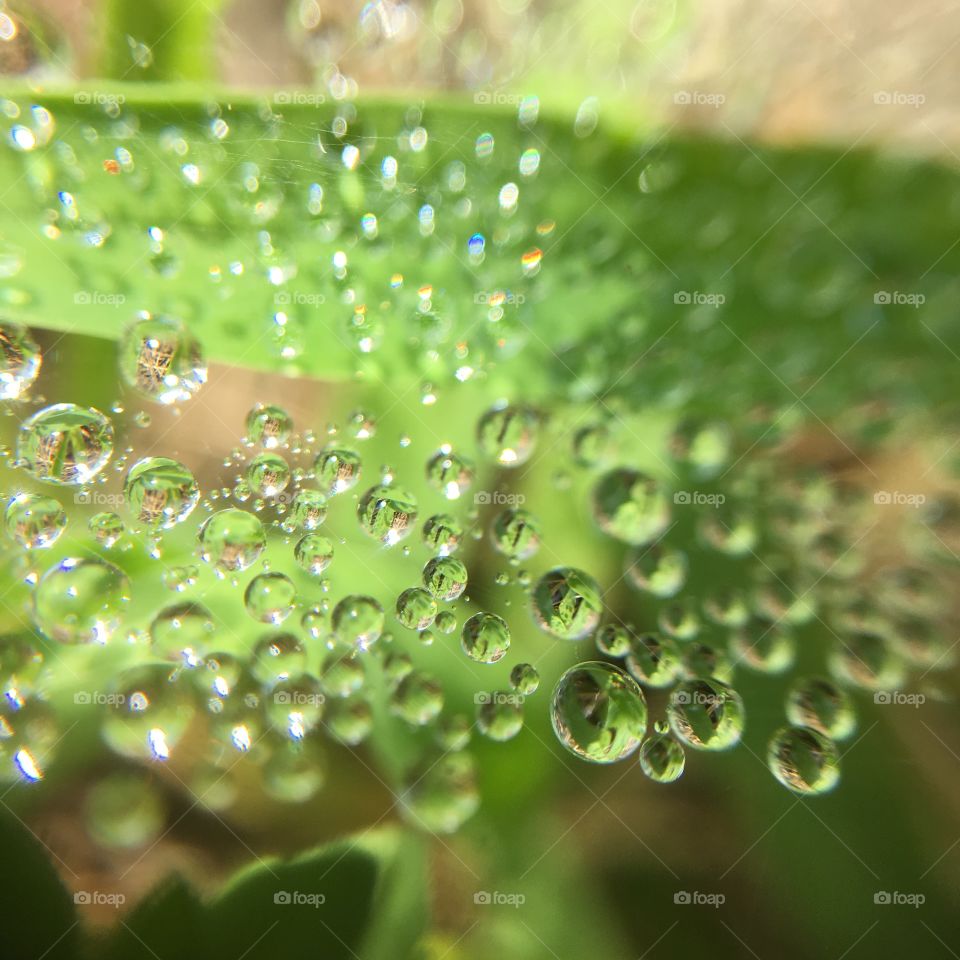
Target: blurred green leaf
{"points": [[39, 918], [169, 922], [401, 912], [364, 896]]}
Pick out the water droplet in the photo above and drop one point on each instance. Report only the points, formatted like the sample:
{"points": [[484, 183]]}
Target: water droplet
{"points": [[733, 532], [727, 607], [358, 621], [516, 534], [485, 638], [566, 603], [35, 521], [656, 569], [598, 712], [680, 619], [499, 715], [819, 703], [706, 714], [449, 472], [349, 720], [613, 640], [160, 492], [308, 511], [443, 795], [417, 698], [704, 447], [387, 513], [160, 358], [591, 445], [702, 660], [525, 679], [268, 425], [180, 577], [529, 162], [507, 434], [630, 506], [764, 646], [268, 474], [443, 533], [661, 758], [231, 540], [107, 528], [80, 601], [314, 553], [20, 360], [804, 760], [868, 661], [65, 444], [342, 675], [653, 660], [445, 577], [293, 774], [149, 711], [277, 657], [270, 597], [182, 632], [416, 608]]}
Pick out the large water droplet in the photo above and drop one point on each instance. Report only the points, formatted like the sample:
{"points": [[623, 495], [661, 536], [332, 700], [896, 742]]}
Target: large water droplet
{"points": [[706, 714], [804, 760], [80, 601], [160, 492], [387, 513], [485, 638], [232, 539], [630, 506], [598, 712], [566, 603], [65, 444], [507, 434], [162, 360], [20, 360], [34, 521]]}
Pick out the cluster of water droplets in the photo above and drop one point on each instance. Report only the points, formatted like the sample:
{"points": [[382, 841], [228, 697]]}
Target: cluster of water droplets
{"points": [[729, 560]]}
